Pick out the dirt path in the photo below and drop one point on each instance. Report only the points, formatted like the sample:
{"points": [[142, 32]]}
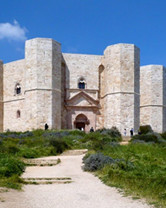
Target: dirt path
{"points": [[65, 186]]}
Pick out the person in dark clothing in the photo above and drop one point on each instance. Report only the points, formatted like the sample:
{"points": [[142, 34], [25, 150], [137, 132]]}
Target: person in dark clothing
{"points": [[91, 129], [131, 132], [139, 132], [46, 126]]}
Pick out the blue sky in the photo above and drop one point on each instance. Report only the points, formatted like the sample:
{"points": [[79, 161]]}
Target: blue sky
{"points": [[85, 26]]}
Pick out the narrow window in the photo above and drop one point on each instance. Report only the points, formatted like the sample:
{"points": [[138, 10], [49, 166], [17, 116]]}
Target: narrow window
{"points": [[18, 89], [18, 115], [81, 84]]}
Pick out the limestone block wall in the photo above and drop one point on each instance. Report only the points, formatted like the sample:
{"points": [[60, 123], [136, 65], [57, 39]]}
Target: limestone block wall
{"points": [[11, 121], [153, 97], [63, 95], [43, 83], [1, 95], [121, 99], [100, 113], [56, 84], [86, 66], [14, 73], [164, 99]]}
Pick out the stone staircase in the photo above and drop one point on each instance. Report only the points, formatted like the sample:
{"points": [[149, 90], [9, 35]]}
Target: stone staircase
{"points": [[41, 162], [39, 181], [74, 152], [125, 140]]}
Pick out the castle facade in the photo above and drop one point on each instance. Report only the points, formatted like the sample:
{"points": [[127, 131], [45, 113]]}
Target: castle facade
{"points": [[69, 91]]}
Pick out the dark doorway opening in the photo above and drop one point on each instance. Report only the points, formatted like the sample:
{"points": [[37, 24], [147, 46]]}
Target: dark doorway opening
{"points": [[80, 125], [81, 121]]}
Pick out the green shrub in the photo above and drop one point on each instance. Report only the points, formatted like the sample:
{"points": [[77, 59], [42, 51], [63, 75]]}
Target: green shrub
{"points": [[98, 141], [59, 144], [77, 132], [12, 148], [145, 129], [28, 152], [149, 137], [113, 132], [9, 165], [96, 161], [163, 135], [14, 182]]}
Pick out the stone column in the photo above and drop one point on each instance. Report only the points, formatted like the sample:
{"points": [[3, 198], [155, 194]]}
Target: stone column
{"points": [[121, 99], [153, 97], [43, 83], [1, 96]]}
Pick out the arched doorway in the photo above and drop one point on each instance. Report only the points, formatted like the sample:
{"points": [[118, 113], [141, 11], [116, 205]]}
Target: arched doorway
{"points": [[80, 121]]}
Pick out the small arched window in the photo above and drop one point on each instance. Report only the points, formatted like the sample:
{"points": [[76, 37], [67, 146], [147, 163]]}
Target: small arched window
{"points": [[81, 83], [18, 114], [18, 89]]}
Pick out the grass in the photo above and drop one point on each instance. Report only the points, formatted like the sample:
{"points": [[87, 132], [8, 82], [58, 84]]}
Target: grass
{"points": [[146, 179], [14, 146], [139, 169]]}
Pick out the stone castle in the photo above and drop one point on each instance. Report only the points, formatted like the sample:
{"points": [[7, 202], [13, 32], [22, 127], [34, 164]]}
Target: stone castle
{"points": [[69, 91]]}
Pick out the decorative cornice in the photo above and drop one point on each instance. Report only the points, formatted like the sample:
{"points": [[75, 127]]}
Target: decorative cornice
{"points": [[146, 106], [76, 106], [113, 93], [78, 90], [96, 102], [8, 101], [46, 89]]}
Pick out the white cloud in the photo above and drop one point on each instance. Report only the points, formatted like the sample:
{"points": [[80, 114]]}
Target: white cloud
{"points": [[12, 31]]}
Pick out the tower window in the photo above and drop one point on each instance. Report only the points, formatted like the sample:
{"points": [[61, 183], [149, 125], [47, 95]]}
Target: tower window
{"points": [[18, 115], [81, 84], [18, 89]]}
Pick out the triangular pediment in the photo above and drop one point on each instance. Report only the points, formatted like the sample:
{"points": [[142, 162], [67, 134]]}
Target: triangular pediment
{"points": [[82, 100]]}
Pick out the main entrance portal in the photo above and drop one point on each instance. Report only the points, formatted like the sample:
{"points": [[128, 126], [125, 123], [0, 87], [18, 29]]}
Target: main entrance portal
{"points": [[80, 122]]}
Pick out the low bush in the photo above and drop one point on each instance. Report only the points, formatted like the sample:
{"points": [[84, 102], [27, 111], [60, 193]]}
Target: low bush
{"points": [[163, 135], [59, 144], [12, 148], [113, 132], [145, 129], [59, 134], [14, 182], [77, 132], [28, 152], [96, 161], [149, 137], [9, 165]]}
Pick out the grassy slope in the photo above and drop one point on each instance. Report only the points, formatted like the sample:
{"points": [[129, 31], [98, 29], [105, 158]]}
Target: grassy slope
{"points": [[14, 146], [147, 179]]}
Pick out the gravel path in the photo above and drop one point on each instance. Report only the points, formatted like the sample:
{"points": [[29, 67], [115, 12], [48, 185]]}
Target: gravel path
{"points": [[85, 190]]}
